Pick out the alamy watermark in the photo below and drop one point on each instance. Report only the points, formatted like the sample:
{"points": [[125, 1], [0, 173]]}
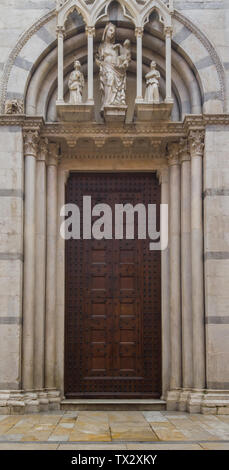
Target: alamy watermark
{"points": [[118, 223]]}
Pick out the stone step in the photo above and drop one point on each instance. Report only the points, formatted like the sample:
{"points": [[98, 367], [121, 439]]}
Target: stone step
{"points": [[113, 405]]}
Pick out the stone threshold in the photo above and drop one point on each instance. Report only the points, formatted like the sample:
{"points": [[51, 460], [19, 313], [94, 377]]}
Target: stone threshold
{"points": [[112, 404]]}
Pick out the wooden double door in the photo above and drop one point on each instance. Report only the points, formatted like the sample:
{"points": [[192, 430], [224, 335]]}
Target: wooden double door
{"points": [[113, 298]]}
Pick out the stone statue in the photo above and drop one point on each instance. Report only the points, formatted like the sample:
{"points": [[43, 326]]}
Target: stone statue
{"points": [[152, 84], [76, 84], [113, 61]]}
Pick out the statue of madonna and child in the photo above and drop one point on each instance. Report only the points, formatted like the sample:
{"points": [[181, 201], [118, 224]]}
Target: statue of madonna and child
{"points": [[113, 61]]}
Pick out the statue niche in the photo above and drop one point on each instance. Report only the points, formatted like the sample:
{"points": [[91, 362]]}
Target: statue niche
{"points": [[113, 61]]}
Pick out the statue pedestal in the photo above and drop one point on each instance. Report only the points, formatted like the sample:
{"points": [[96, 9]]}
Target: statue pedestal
{"points": [[153, 111], [115, 113], [75, 112]]}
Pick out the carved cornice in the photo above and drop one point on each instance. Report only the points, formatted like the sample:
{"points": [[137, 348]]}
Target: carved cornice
{"points": [[196, 143], [31, 139]]}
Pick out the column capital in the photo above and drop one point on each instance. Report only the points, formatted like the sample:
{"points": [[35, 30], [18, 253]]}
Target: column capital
{"points": [[168, 30], [163, 175], [184, 151], [60, 30], [173, 153], [139, 31], [31, 139], [43, 150], [196, 143], [90, 30], [53, 157]]}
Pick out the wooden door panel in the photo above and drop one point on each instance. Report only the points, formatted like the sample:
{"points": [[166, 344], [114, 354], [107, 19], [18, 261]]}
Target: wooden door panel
{"points": [[113, 318]]}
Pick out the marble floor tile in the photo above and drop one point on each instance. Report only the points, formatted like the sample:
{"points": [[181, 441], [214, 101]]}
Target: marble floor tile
{"points": [[154, 417], [167, 432], [194, 432], [124, 433]]}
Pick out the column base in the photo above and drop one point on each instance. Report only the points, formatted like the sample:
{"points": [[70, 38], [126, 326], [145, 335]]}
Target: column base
{"points": [[21, 402], [173, 398], [215, 402], [195, 401], [183, 400]]}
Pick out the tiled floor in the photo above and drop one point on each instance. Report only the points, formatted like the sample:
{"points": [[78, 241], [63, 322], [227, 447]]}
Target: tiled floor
{"points": [[114, 430]]}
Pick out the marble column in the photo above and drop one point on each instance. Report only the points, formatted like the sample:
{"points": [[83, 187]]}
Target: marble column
{"points": [[168, 40], [30, 153], [165, 303], [139, 35], [90, 31], [175, 275], [60, 303], [60, 41], [196, 142], [50, 333], [39, 346], [186, 277]]}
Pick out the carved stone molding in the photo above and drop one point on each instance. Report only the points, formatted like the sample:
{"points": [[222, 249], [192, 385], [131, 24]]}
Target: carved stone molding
{"points": [[31, 139], [173, 153], [127, 141], [100, 141], [196, 143]]}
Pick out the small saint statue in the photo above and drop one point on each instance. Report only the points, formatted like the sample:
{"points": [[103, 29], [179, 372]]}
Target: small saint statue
{"points": [[152, 84], [76, 84]]}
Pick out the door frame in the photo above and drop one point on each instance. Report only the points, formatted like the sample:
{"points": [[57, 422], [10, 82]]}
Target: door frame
{"points": [[160, 167]]}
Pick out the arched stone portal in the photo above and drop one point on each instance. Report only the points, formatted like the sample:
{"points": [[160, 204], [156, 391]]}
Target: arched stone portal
{"points": [[170, 140]]}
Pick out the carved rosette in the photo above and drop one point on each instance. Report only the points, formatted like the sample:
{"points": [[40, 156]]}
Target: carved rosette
{"points": [[31, 139], [196, 143], [173, 154], [184, 151]]}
